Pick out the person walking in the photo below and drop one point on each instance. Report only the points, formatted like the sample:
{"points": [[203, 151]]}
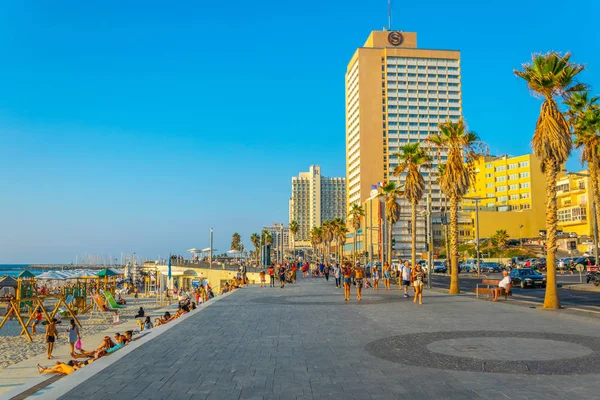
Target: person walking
{"points": [[347, 273], [359, 276], [135, 294], [404, 277], [326, 271], [387, 276], [263, 281], [375, 278], [37, 321], [281, 276], [337, 273], [271, 272], [51, 336], [418, 277], [561, 266], [74, 336]]}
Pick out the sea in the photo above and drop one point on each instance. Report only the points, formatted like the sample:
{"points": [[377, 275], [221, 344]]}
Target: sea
{"points": [[15, 269]]}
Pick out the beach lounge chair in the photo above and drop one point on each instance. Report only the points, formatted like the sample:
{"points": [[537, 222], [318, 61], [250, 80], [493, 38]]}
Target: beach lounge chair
{"points": [[100, 307], [69, 301], [111, 300]]}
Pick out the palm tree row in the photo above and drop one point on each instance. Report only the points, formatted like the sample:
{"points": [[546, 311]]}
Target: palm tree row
{"points": [[330, 231]]}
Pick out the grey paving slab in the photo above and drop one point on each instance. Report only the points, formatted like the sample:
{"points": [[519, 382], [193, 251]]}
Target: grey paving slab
{"points": [[305, 342]]}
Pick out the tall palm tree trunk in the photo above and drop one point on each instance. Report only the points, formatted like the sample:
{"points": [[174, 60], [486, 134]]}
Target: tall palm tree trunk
{"points": [[594, 171], [414, 234], [454, 286], [389, 243], [551, 299]]}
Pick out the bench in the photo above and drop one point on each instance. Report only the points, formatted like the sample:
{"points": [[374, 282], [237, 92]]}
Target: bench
{"points": [[487, 286]]}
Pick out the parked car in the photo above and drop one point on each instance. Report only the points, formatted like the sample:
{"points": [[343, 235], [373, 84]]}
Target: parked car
{"points": [[527, 277], [439, 266], [468, 266], [584, 261], [490, 267]]}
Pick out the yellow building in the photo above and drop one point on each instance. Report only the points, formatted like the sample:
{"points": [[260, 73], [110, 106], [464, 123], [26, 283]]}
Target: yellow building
{"points": [[396, 93], [575, 213], [512, 193]]}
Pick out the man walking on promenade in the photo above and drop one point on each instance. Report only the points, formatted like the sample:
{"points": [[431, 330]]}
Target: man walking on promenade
{"points": [[404, 277], [337, 273], [326, 271]]}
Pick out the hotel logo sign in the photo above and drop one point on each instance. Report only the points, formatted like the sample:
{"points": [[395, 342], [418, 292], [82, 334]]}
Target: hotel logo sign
{"points": [[395, 38]]}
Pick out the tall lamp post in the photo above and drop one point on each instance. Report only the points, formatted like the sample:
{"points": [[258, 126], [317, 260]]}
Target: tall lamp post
{"points": [[477, 199]]}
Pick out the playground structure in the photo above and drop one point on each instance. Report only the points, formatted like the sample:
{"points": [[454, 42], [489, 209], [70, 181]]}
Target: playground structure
{"points": [[69, 299], [27, 295]]}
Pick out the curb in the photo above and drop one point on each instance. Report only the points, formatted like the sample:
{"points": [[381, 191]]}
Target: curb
{"points": [[67, 383], [584, 287]]}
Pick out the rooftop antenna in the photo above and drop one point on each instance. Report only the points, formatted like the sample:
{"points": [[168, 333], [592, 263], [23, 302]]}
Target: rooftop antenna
{"points": [[389, 15]]}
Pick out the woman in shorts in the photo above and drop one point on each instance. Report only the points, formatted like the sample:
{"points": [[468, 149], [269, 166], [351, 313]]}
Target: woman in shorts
{"points": [[347, 276], [418, 278], [387, 276], [375, 278]]}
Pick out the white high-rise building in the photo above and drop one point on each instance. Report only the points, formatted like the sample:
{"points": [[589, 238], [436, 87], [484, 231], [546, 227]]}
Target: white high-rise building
{"points": [[315, 199], [396, 93]]}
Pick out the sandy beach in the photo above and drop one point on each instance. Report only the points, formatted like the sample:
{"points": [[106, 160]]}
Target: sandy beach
{"points": [[15, 348]]}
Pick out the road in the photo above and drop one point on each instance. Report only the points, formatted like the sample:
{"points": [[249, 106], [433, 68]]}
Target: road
{"points": [[574, 299]]}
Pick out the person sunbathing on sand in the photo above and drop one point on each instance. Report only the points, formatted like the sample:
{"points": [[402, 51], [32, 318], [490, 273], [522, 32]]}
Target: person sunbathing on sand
{"points": [[61, 368]]}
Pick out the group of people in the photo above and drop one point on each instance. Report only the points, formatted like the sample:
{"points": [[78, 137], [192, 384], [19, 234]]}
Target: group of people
{"points": [[107, 346], [348, 275], [285, 273]]}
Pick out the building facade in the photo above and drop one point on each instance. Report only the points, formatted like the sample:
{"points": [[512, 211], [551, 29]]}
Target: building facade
{"points": [[575, 210], [512, 193], [315, 199], [396, 93]]}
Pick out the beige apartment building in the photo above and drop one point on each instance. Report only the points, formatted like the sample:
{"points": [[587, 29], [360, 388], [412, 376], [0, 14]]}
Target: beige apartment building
{"points": [[315, 199], [396, 93]]}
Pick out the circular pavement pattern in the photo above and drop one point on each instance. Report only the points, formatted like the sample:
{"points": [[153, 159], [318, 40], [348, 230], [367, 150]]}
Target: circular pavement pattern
{"points": [[306, 300], [488, 351]]}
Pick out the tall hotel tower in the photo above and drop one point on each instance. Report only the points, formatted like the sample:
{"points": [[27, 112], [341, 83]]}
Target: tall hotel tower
{"points": [[396, 93]]}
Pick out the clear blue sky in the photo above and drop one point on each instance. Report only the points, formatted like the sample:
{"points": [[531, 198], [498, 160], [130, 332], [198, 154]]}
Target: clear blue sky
{"points": [[136, 127]]}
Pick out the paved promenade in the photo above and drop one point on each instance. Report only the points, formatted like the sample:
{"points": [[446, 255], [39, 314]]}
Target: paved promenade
{"points": [[305, 342]]}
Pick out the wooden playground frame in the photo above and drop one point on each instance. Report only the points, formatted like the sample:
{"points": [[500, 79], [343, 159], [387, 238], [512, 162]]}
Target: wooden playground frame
{"points": [[36, 302]]}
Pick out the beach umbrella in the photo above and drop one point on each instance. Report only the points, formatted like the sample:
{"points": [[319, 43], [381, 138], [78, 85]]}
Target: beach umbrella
{"points": [[106, 272], [26, 274], [53, 275], [8, 281]]}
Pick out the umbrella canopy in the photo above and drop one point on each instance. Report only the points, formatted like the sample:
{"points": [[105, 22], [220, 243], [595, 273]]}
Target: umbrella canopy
{"points": [[106, 272], [8, 281], [26, 274], [54, 276]]}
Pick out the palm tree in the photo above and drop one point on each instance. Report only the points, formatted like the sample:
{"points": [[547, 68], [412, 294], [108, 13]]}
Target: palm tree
{"points": [[391, 193], [455, 178], [327, 229], [294, 231], [355, 213], [236, 241], [551, 76], [316, 238], [340, 231], [500, 239], [411, 159], [255, 240], [584, 116]]}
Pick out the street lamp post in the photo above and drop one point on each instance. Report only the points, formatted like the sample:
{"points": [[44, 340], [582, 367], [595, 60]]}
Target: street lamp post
{"points": [[520, 236], [476, 199]]}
